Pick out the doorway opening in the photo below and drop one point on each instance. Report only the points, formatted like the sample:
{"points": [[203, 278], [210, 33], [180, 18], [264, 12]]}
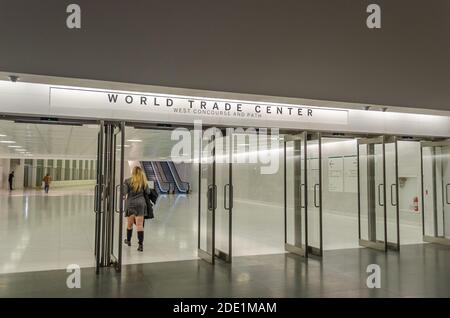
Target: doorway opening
{"points": [[39, 230]]}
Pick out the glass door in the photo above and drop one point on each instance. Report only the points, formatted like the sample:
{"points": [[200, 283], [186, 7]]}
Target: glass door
{"points": [[215, 196], [392, 189], [372, 205], [98, 198], [295, 206], [117, 217], [224, 186], [436, 191], [108, 197], [313, 155], [207, 196]]}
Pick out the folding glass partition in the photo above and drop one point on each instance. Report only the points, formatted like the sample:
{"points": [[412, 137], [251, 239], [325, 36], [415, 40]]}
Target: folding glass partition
{"points": [[295, 180], [436, 191], [303, 194], [215, 196]]}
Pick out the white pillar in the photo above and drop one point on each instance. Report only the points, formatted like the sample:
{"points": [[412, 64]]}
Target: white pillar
{"points": [[5, 169], [19, 175], [33, 173]]}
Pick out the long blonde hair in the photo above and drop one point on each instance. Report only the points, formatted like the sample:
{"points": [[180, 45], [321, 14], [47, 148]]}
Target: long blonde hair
{"points": [[138, 179]]}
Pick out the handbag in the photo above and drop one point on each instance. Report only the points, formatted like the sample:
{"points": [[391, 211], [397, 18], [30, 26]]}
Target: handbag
{"points": [[148, 213]]}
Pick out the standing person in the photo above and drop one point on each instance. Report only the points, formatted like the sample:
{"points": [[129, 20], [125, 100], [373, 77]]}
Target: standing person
{"points": [[47, 179], [10, 180], [134, 188]]}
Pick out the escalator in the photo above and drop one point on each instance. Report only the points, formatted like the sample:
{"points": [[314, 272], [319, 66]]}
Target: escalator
{"points": [[167, 173], [181, 186], [165, 176], [154, 175]]}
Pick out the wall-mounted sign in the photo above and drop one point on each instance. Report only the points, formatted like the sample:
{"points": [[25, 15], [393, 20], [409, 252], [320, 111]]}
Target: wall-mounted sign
{"points": [[351, 174], [335, 174], [190, 107]]}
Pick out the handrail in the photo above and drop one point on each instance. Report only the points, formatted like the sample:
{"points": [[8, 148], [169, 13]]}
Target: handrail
{"points": [[167, 174], [176, 177], [147, 165], [161, 182]]}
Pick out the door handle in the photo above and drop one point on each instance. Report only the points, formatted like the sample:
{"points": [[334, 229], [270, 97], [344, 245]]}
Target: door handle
{"points": [[446, 193], [96, 198], [225, 187], [379, 195], [215, 196], [302, 202], [120, 199], [208, 194], [315, 195], [392, 195], [212, 197], [230, 197]]}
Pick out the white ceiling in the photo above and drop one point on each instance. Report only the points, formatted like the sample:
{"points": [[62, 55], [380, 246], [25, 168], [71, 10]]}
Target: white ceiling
{"points": [[47, 141], [62, 141], [80, 142]]}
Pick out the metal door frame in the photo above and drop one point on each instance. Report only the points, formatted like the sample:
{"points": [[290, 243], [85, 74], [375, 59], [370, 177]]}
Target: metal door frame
{"points": [[318, 252], [395, 246], [380, 245], [302, 137], [118, 196], [227, 256], [445, 190], [97, 198], [211, 201], [105, 198]]}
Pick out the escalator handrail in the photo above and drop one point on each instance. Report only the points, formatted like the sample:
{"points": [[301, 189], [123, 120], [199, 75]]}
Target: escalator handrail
{"points": [[158, 178], [177, 178], [168, 174], [163, 176], [148, 167]]}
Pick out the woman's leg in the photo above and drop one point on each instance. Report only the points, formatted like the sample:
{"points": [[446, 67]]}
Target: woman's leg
{"points": [[130, 222], [140, 231]]}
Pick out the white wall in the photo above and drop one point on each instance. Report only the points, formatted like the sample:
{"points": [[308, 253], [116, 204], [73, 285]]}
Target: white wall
{"points": [[4, 171], [6, 168], [32, 99], [344, 203], [409, 172]]}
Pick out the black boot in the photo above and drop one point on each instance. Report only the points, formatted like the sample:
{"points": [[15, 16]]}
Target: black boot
{"points": [[128, 239], [141, 241]]}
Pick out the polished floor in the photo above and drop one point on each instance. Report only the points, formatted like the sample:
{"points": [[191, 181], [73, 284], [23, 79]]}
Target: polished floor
{"points": [[417, 271], [41, 232]]}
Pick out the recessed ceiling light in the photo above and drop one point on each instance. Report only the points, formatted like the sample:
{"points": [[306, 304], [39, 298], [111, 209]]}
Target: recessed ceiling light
{"points": [[134, 140], [2, 135], [14, 147], [21, 150], [7, 142]]}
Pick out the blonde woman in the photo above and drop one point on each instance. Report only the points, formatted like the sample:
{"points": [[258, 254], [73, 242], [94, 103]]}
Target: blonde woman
{"points": [[134, 188]]}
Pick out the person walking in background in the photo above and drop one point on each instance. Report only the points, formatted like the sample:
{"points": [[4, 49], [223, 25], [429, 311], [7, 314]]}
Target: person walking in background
{"points": [[11, 180], [47, 180], [136, 206]]}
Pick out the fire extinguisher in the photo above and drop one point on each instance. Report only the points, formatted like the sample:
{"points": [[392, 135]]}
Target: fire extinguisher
{"points": [[416, 204]]}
